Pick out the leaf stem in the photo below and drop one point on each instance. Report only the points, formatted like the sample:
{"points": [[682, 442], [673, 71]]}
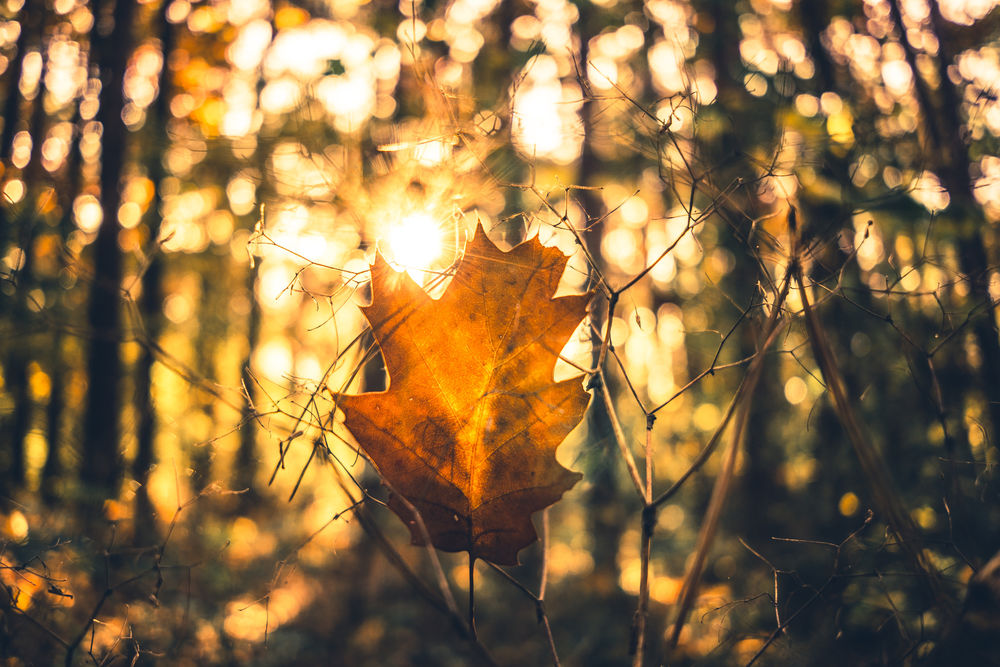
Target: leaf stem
{"points": [[649, 457]]}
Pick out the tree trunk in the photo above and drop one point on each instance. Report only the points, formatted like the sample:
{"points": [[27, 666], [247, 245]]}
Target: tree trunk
{"points": [[52, 470], [20, 349], [68, 189], [16, 378], [102, 465], [30, 16], [151, 302], [246, 455], [606, 516], [210, 328], [971, 224]]}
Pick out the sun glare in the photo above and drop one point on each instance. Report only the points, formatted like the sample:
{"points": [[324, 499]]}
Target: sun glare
{"points": [[414, 244]]}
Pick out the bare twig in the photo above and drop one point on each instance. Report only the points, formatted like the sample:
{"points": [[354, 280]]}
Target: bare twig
{"points": [[619, 434], [439, 574], [815, 596]]}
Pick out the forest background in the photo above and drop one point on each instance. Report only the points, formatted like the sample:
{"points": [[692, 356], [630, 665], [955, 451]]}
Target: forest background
{"points": [[788, 212]]}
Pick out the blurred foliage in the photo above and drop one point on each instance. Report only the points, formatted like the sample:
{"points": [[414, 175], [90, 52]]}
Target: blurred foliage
{"points": [[265, 150]]}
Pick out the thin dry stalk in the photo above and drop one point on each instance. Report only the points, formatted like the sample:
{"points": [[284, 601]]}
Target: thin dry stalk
{"points": [[649, 457], [884, 494], [711, 522], [706, 535]]}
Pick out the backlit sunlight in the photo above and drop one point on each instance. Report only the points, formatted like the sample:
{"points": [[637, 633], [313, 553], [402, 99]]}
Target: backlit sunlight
{"points": [[267, 264], [414, 244]]}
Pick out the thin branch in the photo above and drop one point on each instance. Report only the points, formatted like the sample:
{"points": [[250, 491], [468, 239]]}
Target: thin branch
{"points": [[439, 574], [714, 441], [543, 618], [817, 594], [637, 644], [619, 434]]}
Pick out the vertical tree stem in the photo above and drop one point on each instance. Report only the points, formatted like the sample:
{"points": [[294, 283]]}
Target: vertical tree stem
{"points": [[545, 554], [649, 458], [472, 596], [638, 643]]}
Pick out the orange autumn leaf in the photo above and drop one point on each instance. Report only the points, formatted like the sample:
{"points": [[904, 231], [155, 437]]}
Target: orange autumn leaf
{"points": [[467, 431]]}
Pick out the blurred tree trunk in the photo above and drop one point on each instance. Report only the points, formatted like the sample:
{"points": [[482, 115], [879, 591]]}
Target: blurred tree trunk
{"points": [[950, 160], [30, 18], [16, 428], [67, 191], [973, 238], [151, 308], [246, 454], [20, 350], [726, 157], [213, 304], [245, 465], [151, 300], [974, 234], [102, 466], [52, 470], [606, 513], [814, 20]]}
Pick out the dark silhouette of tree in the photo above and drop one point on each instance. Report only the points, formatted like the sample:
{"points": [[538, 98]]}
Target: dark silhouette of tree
{"points": [[974, 233], [606, 520], [151, 301], [246, 455], [54, 472], [25, 225], [31, 18], [102, 462], [246, 461]]}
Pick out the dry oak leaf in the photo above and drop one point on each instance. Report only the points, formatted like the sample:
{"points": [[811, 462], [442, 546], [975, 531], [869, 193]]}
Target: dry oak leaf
{"points": [[468, 429]]}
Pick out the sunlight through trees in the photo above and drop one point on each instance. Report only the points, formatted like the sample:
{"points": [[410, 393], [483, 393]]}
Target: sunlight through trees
{"points": [[786, 217]]}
